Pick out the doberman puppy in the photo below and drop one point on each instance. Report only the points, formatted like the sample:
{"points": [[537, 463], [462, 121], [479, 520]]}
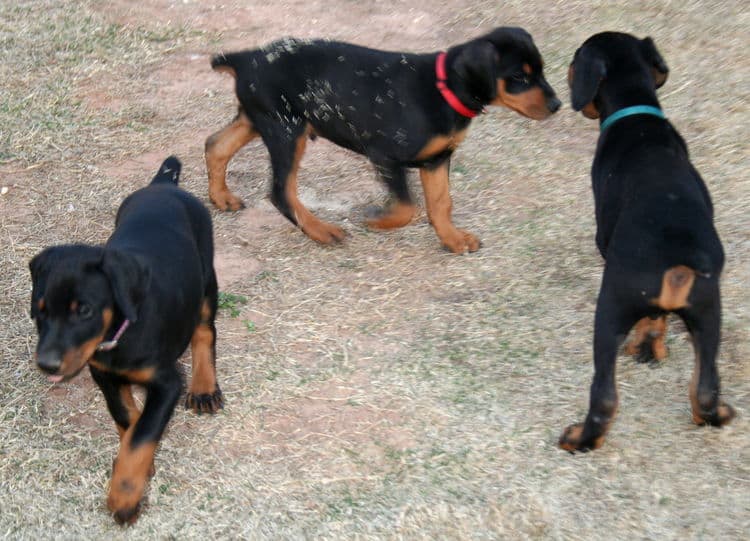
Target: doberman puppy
{"points": [[654, 229], [129, 309], [400, 110]]}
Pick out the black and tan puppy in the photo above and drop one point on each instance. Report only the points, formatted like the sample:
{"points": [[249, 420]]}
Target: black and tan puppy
{"points": [[400, 110], [654, 228], [128, 310]]}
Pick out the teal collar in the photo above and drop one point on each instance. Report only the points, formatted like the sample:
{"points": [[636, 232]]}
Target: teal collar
{"points": [[629, 111]]}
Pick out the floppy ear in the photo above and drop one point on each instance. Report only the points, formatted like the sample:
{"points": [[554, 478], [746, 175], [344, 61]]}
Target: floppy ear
{"points": [[584, 75], [129, 279], [476, 65], [655, 61], [39, 266]]}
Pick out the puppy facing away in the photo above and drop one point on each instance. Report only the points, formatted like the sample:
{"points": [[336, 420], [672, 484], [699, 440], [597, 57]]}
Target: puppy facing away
{"points": [[128, 310], [654, 229], [400, 110]]}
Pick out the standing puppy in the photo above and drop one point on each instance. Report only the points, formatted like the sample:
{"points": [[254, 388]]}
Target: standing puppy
{"points": [[129, 309], [654, 228], [400, 110]]}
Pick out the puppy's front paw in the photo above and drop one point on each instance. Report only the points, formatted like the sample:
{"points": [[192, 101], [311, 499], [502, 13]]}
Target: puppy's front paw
{"points": [[205, 403], [461, 242], [124, 500]]}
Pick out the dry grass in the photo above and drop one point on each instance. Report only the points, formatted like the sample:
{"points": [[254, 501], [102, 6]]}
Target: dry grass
{"points": [[382, 389]]}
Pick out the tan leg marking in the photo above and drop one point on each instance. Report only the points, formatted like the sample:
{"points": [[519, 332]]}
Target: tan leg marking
{"points": [[316, 229], [220, 147], [439, 206], [126, 394], [204, 395], [398, 215], [571, 438], [725, 412], [647, 328], [129, 477]]}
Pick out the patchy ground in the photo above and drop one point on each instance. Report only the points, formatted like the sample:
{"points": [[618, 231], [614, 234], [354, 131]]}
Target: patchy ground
{"points": [[382, 388]]}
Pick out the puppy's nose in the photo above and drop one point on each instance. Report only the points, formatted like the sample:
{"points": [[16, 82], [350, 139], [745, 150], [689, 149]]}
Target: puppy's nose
{"points": [[49, 361], [553, 104]]}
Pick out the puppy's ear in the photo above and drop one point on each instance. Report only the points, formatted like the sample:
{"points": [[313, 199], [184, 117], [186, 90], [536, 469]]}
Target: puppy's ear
{"points": [[476, 65], [40, 265], [129, 279], [584, 75], [655, 61]]}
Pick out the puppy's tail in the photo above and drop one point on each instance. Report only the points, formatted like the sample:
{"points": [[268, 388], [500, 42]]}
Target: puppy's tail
{"points": [[225, 63], [169, 172]]}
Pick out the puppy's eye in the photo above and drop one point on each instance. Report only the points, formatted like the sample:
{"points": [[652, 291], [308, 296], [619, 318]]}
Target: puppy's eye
{"points": [[521, 78], [84, 311]]}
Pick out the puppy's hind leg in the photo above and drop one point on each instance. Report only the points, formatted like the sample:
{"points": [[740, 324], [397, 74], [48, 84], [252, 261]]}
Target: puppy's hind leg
{"points": [[611, 325], [286, 151], [703, 320], [647, 343]]}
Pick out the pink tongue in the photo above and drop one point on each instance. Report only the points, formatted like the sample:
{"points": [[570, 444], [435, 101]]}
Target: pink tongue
{"points": [[55, 378]]}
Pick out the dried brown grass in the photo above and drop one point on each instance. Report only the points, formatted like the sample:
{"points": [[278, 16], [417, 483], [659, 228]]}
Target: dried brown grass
{"points": [[381, 389]]}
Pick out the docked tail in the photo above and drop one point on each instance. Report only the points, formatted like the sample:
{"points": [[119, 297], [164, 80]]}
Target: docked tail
{"points": [[224, 62], [169, 172]]}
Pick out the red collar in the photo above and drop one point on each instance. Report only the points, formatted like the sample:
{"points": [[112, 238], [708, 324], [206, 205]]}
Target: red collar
{"points": [[447, 93]]}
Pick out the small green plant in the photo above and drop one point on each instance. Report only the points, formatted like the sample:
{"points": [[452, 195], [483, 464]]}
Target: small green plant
{"points": [[231, 302], [460, 168], [250, 326]]}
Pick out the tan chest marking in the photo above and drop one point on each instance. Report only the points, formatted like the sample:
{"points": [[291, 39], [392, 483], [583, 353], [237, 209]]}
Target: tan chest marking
{"points": [[441, 143]]}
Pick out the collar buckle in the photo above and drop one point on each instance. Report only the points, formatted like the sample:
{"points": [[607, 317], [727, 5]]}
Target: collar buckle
{"points": [[112, 344]]}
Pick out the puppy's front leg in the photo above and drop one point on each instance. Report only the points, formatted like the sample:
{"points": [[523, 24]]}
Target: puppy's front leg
{"points": [[438, 200], [138, 445]]}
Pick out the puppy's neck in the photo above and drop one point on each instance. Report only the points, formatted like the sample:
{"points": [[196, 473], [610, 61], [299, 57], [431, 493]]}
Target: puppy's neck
{"points": [[626, 95]]}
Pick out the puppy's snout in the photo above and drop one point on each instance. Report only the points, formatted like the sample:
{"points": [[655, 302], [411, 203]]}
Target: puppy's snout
{"points": [[553, 104], [49, 362]]}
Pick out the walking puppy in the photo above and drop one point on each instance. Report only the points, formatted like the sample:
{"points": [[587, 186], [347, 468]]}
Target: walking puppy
{"points": [[654, 228], [400, 110], [129, 309]]}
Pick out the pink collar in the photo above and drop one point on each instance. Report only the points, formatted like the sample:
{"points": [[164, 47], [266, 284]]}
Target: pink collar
{"points": [[112, 344], [447, 93]]}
